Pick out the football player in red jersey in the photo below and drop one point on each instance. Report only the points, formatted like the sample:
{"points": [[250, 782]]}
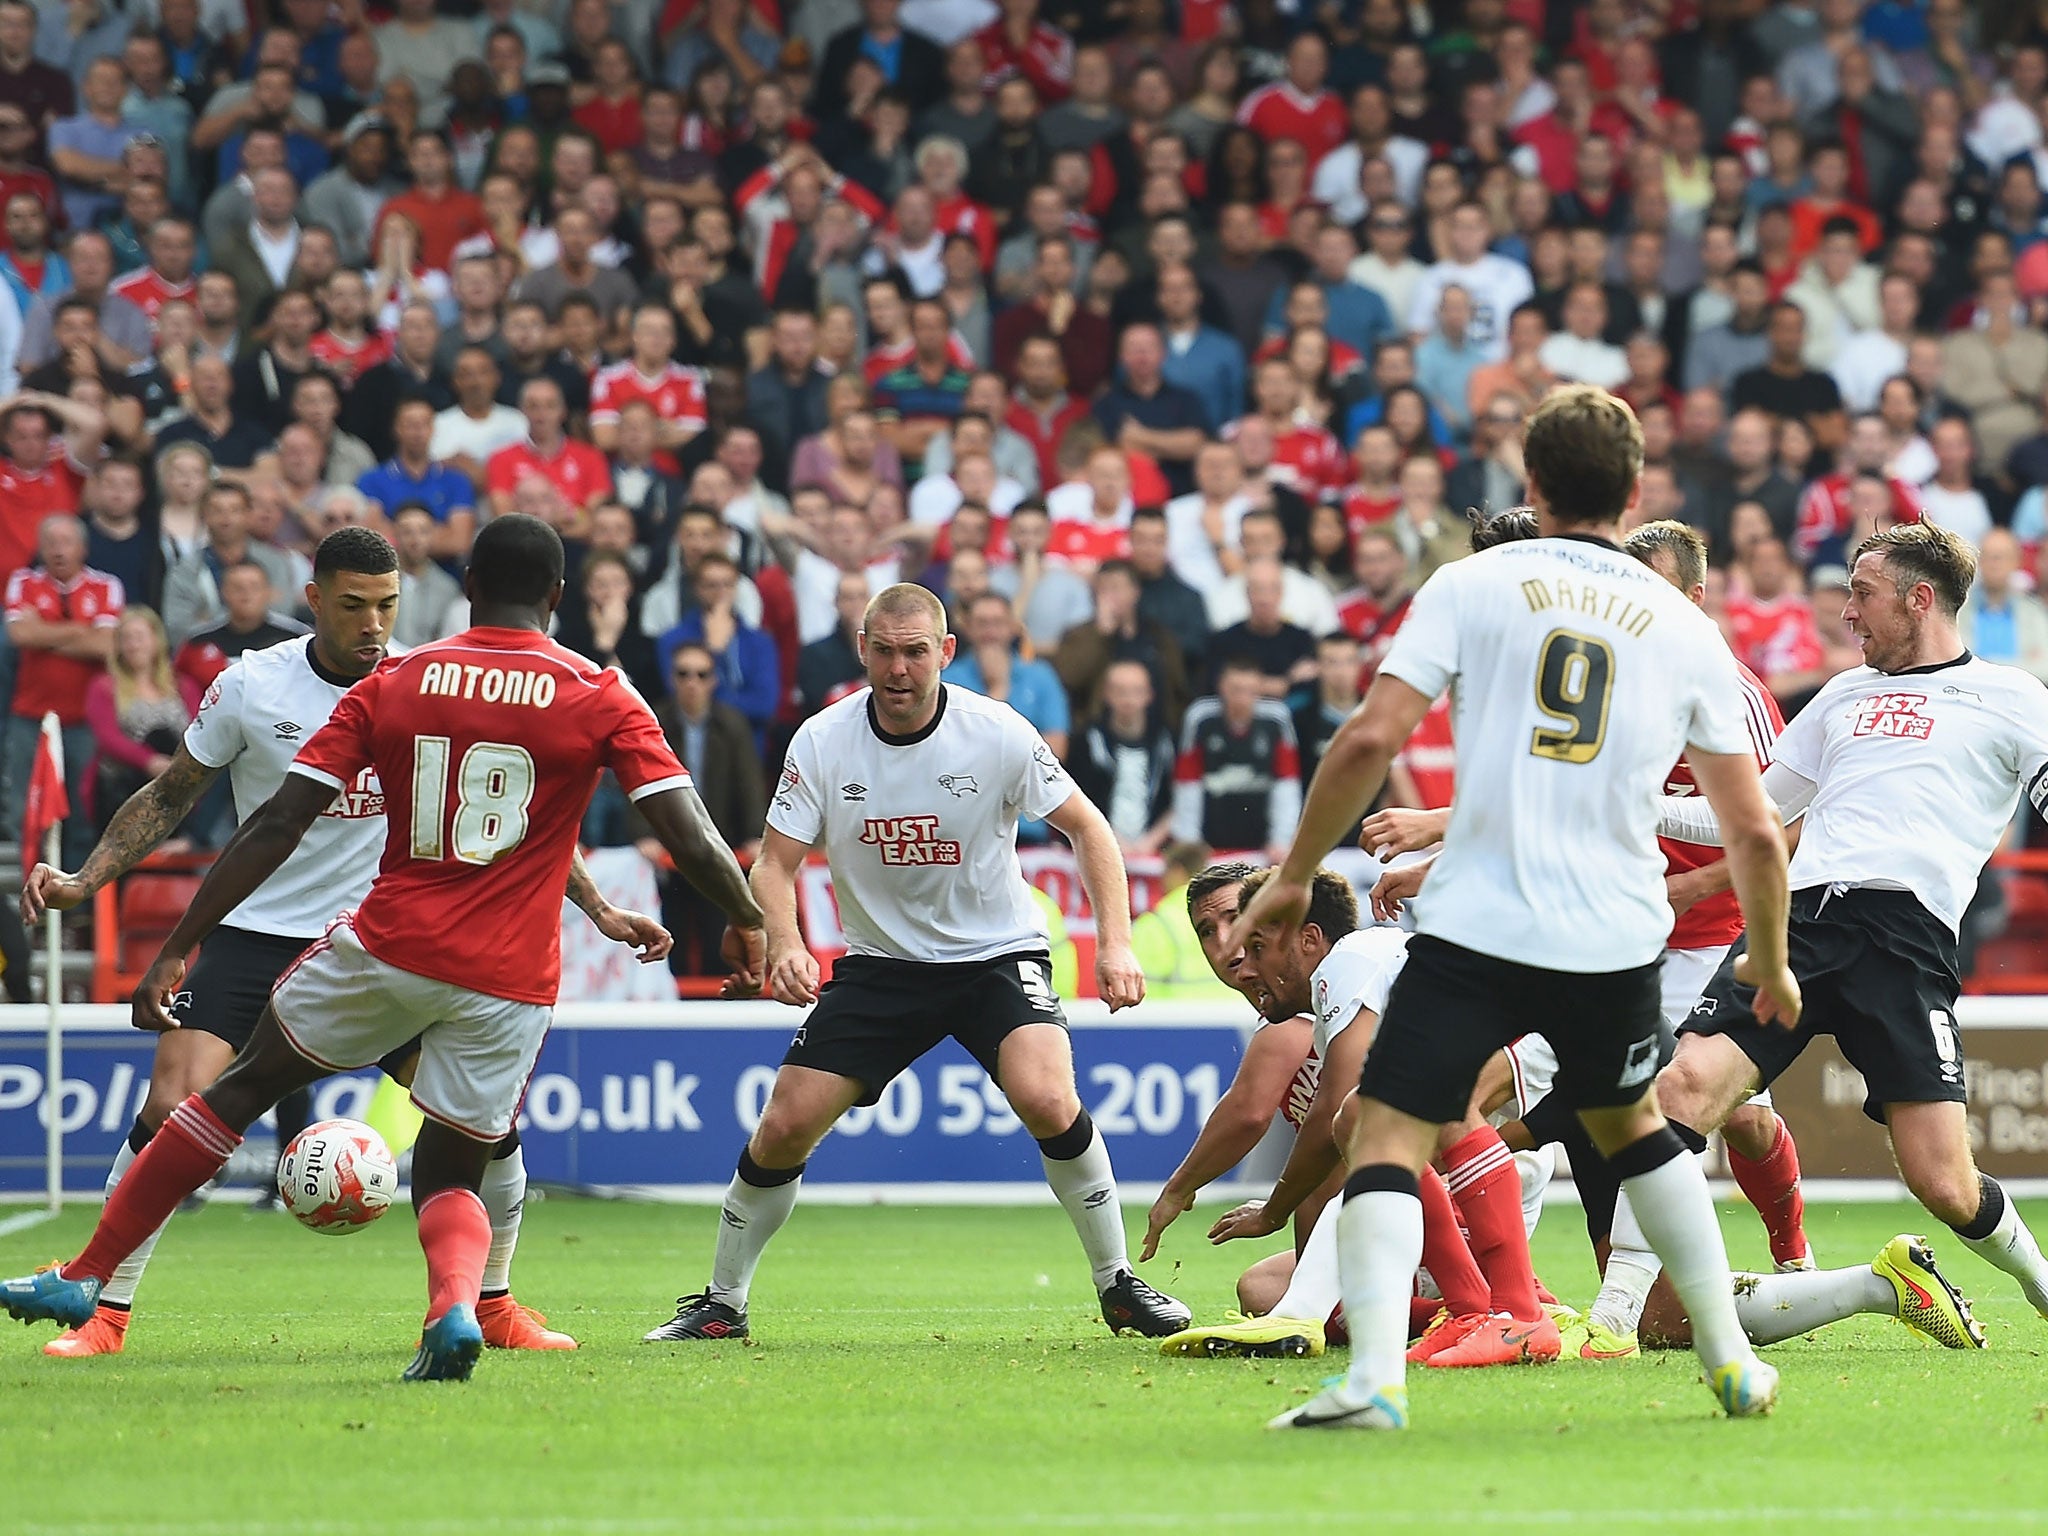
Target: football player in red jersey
{"points": [[489, 745]]}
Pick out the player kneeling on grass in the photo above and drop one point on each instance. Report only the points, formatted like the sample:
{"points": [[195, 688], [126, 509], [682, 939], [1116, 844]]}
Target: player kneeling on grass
{"points": [[913, 788], [488, 747]]}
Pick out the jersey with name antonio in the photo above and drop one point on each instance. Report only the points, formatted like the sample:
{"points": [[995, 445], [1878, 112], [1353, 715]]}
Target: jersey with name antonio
{"points": [[489, 746], [1717, 921], [252, 721], [921, 830], [1918, 774], [1580, 676]]}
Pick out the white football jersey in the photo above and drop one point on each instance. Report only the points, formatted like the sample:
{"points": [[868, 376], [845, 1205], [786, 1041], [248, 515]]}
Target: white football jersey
{"points": [[252, 722], [921, 831], [1917, 775], [1578, 676], [1355, 976]]}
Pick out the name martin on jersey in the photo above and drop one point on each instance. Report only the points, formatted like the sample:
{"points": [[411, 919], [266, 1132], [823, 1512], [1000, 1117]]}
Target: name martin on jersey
{"points": [[1592, 601]]}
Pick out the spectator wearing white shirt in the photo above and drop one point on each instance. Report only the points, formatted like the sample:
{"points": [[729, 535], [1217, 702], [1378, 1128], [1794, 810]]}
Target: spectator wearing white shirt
{"points": [[935, 498], [476, 426], [1338, 174], [1863, 361], [1954, 498], [1838, 291], [1304, 602], [1577, 354], [1495, 283], [1387, 268], [1202, 527]]}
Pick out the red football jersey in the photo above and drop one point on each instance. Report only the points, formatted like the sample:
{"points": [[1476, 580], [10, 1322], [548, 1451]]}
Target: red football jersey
{"points": [[577, 470], [148, 292], [490, 746], [1431, 756], [1718, 919], [1318, 123], [350, 359], [25, 500], [676, 394]]}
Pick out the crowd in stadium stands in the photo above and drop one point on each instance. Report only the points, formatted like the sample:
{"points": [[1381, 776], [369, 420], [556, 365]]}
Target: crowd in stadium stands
{"points": [[1167, 340]]}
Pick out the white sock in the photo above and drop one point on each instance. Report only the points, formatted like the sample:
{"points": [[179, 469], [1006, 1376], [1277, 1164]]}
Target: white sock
{"points": [[1631, 1270], [1676, 1213], [2011, 1247], [120, 1286], [1086, 1186], [1379, 1244], [1315, 1290], [504, 1196], [1775, 1307], [1536, 1169], [750, 1216]]}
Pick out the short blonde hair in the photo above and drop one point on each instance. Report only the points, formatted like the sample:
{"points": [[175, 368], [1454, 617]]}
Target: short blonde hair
{"points": [[906, 600], [1682, 542]]}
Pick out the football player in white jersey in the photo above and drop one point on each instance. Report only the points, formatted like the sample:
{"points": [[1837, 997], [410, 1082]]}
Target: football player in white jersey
{"points": [[1908, 770], [913, 789], [251, 724], [1578, 676]]}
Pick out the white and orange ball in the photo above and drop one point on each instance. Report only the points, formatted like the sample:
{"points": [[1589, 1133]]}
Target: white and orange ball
{"points": [[337, 1176]]}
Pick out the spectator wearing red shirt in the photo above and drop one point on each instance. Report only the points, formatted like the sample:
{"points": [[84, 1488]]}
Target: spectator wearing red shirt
{"points": [[1041, 411], [1018, 43], [1083, 336], [942, 166], [37, 477], [1298, 107], [60, 619], [650, 374], [1091, 517], [576, 470], [1827, 170], [612, 116], [1826, 518], [890, 343], [444, 214], [1375, 495], [172, 248], [1372, 612], [1306, 458], [1774, 633]]}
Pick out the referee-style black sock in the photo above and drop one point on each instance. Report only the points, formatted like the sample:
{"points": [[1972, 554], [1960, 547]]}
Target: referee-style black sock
{"points": [[1071, 1142], [139, 1136], [1998, 1236], [767, 1178]]}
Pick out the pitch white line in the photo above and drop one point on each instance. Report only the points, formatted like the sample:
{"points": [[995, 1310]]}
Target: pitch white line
{"points": [[24, 1221]]}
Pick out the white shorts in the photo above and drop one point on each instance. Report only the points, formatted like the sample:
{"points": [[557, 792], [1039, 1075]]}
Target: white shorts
{"points": [[341, 1007], [1534, 1065]]}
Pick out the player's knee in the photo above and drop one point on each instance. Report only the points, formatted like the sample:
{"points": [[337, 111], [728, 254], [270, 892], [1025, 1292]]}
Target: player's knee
{"points": [[1047, 1110], [1948, 1187], [1750, 1129], [1260, 1288], [1686, 1094], [786, 1135]]}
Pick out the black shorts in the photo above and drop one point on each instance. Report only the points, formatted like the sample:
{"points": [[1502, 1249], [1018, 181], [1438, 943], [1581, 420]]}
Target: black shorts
{"points": [[1451, 1008], [230, 984], [1876, 970], [876, 1015]]}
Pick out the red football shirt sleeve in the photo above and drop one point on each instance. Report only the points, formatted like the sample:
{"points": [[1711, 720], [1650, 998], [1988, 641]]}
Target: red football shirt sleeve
{"points": [[340, 749], [635, 749], [604, 407]]}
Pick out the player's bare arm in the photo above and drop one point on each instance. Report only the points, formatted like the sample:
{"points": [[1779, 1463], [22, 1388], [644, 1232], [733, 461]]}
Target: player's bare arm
{"points": [[137, 830], [636, 930], [1398, 829], [1397, 886], [1353, 769], [679, 820], [1118, 977], [1687, 888], [792, 970], [1316, 1154], [251, 856], [1241, 1117], [1756, 861]]}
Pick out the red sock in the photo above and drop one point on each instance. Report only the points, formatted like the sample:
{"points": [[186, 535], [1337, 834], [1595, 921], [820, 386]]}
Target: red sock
{"points": [[456, 1234], [1481, 1173], [1444, 1251], [190, 1149], [1772, 1186], [1422, 1312]]}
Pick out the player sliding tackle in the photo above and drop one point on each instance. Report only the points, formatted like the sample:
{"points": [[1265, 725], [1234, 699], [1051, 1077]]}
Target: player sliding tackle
{"points": [[488, 747], [913, 789], [1577, 676]]}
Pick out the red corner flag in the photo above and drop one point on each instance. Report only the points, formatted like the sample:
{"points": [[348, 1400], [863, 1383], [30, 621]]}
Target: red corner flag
{"points": [[48, 803]]}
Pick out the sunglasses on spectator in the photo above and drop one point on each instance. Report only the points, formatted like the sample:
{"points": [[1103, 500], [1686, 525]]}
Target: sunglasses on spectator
{"points": [[693, 674], [1392, 224]]}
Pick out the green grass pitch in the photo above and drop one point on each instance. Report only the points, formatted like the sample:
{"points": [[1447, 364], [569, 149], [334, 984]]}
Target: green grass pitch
{"points": [[943, 1370]]}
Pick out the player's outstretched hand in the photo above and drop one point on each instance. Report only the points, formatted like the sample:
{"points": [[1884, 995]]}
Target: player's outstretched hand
{"points": [[1401, 830], [743, 950], [1395, 887], [47, 887], [793, 978], [1119, 980], [1278, 901], [1248, 1220], [638, 932], [1777, 997], [151, 1009], [1166, 1210]]}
